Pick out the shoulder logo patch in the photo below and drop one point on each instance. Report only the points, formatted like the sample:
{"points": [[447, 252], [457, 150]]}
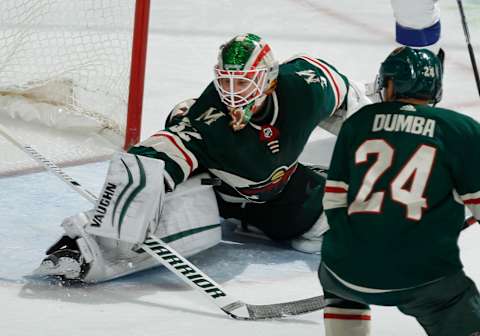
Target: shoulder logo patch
{"points": [[311, 76]]}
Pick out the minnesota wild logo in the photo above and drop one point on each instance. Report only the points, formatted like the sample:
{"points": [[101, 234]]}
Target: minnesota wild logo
{"points": [[268, 188]]}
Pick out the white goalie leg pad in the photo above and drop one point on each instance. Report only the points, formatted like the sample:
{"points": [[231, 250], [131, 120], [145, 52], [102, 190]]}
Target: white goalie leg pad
{"points": [[346, 322], [131, 199], [190, 223], [98, 258], [311, 241]]}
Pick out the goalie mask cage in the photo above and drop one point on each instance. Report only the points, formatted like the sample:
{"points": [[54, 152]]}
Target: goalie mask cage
{"points": [[71, 78]]}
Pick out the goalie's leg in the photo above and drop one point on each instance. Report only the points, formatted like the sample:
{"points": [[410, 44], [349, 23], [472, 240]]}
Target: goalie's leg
{"points": [[64, 260], [295, 216], [98, 245], [76, 254]]}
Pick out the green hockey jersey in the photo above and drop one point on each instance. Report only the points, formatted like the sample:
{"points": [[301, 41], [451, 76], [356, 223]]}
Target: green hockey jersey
{"points": [[395, 197], [256, 162]]}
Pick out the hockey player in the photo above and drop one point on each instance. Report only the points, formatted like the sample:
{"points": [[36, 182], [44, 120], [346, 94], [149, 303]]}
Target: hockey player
{"points": [[401, 175], [247, 130]]}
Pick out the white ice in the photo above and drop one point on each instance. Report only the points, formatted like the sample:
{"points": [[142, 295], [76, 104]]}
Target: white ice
{"points": [[353, 35]]}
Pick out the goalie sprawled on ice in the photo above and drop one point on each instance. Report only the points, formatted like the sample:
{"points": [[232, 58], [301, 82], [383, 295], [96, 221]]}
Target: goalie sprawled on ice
{"points": [[247, 129]]}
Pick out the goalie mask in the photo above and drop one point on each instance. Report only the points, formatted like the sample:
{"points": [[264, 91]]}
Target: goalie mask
{"points": [[245, 71]]}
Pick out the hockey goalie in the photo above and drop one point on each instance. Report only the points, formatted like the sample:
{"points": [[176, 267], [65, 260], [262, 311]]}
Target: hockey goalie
{"points": [[246, 131]]}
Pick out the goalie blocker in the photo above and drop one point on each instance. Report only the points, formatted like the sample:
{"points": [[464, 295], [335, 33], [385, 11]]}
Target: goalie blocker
{"points": [[100, 244]]}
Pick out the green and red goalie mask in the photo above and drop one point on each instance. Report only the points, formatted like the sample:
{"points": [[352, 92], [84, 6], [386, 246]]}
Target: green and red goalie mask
{"points": [[246, 69]]}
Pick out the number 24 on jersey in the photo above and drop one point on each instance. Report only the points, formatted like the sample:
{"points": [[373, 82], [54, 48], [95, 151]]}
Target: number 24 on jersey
{"points": [[406, 188]]}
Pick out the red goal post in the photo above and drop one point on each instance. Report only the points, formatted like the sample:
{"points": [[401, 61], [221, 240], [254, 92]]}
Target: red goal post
{"points": [[137, 73]]}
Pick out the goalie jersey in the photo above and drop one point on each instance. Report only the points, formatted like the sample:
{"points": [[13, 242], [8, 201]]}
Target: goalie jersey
{"points": [[399, 181], [256, 162]]}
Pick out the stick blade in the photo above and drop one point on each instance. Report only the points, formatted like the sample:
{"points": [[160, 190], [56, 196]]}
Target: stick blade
{"points": [[276, 310]]}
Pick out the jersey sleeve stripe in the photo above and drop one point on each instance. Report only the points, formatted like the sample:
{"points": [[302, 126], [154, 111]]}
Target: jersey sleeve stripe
{"points": [[335, 190], [346, 317], [472, 201], [336, 184], [335, 195], [173, 147], [332, 76], [466, 197], [472, 198]]}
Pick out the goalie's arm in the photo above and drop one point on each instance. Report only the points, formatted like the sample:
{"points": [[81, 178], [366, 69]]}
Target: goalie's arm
{"points": [[173, 174], [324, 91], [179, 145], [171, 146], [324, 84]]}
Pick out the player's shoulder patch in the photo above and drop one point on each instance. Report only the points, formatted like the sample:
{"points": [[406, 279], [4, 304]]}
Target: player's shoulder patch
{"points": [[298, 73], [317, 78]]}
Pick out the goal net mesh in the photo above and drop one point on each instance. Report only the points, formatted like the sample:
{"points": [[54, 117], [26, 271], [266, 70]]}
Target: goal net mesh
{"points": [[64, 78]]}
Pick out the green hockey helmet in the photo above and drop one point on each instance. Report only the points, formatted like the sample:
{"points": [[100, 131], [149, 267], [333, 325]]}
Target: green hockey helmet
{"points": [[245, 70], [416, 73]]}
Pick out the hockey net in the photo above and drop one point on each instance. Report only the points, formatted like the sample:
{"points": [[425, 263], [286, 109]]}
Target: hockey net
{"points": [[67, 71]]}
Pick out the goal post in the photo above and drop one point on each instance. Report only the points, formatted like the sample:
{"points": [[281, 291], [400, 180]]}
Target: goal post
{"points": [[137, 73], [71, 78]]}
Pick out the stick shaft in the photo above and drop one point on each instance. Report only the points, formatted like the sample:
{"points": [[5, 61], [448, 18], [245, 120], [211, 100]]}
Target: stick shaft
{"points": [[469, 45]]}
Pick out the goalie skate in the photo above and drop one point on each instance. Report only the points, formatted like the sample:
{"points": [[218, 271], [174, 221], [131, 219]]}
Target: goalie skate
{"points": [[65, 264]]}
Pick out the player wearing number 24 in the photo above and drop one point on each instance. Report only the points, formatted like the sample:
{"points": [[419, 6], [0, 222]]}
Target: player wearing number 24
{"points": [[401, 175]]}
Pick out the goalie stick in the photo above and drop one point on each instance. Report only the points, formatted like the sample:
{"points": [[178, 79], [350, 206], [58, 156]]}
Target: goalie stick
{"points": [[185, 270], [235, 308]]}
